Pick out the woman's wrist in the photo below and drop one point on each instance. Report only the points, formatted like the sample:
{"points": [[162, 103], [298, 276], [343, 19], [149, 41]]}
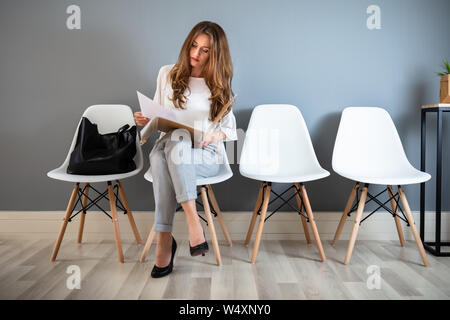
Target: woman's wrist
{"points": [[219, 135]]}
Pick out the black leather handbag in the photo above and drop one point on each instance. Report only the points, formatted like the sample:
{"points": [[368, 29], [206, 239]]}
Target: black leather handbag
{"points": [[99, 154]]}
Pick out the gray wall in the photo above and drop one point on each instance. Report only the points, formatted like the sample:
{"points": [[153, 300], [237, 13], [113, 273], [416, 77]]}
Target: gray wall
{"points": [[318, 55]]}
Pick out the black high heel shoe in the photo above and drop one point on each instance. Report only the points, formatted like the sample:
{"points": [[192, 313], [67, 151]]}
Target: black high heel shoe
{"points": [[159, 272], [199, 249]]}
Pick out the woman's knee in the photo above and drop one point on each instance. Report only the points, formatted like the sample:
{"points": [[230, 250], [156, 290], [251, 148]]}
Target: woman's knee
{"points": [[180, 135], [178, 147]]}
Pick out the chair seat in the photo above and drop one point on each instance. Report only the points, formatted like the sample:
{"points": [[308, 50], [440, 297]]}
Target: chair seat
{"points": [[222, 176], [61, 174], [224, 173], [397, 177], [319, 173], [108, 118]]}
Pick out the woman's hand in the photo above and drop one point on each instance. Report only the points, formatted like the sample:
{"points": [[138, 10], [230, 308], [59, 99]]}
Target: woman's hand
{"points": [[140, 119], [212, 137]]}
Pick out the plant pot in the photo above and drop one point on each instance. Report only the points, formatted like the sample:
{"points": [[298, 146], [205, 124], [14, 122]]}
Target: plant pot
{"points": [[445, 89]]}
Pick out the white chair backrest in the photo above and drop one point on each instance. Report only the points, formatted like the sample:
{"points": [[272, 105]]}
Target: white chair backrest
{"points": [[367, 143], [277, 142], [109, 118]]}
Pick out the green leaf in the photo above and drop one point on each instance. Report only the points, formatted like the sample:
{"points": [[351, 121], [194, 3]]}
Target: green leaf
{"points": [[446, 67]]}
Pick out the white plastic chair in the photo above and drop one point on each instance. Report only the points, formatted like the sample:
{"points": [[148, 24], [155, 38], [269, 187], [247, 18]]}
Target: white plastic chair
{"points": [[368, 150], [278, 148], [207, 195], [109, 118]]}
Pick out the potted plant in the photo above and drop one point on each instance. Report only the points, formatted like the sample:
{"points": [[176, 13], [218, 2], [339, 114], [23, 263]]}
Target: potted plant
{"points": [[445, 83]]}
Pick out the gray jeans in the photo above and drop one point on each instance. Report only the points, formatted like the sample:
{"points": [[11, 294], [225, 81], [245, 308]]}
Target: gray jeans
{"points": [[175, 167]]}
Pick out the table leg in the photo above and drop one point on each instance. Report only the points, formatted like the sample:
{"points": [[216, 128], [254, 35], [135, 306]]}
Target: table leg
{"points": [[438, 181], [423, 141]]}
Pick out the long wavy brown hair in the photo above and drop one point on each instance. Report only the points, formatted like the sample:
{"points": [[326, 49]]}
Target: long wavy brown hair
{"points": [[218, 71]]}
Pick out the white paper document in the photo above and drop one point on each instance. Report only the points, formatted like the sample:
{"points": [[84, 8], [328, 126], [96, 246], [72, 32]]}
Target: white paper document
{"points": [[164, 120], [152, 109]]}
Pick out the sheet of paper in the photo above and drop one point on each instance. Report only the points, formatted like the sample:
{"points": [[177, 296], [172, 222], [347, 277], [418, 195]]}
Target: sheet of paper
{"points": [[164, 120], [165, 125], [152, 109]]}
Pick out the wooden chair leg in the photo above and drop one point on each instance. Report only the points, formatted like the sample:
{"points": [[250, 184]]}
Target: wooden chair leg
{"points": [[304, 222], [212, 230], [219, 214], [254, 215], [359, 212], [83, 213], [62, 230], [412, 224], [115, 220], [148, 244], [346, 211], [129, 213], [396, 218], [312, 222], [262, 217]]}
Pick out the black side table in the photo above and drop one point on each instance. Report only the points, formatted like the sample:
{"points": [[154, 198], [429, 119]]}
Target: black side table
{"points": [[435, 246]]}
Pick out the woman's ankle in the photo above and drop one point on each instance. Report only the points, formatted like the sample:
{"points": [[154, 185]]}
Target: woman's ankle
{"points": [[196, 235], [163, 248]]}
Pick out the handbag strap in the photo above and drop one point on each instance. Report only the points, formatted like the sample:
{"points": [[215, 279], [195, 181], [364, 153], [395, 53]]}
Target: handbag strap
{"points": [[122, 129]]}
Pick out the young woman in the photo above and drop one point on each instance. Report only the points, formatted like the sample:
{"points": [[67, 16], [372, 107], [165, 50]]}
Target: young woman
{"points": [[196, 88]]}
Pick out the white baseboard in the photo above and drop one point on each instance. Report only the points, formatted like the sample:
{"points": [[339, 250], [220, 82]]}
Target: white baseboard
{"points": [[281, 226]]}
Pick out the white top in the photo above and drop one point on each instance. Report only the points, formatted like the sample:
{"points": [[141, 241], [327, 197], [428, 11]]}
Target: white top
{"points": [[197, 106]]}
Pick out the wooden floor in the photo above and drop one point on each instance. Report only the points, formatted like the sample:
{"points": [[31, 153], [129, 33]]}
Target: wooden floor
{"points": [[283, 270]]}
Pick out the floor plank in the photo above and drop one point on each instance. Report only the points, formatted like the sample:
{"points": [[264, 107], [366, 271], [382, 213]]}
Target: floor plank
{"points": [[284, 269]]}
